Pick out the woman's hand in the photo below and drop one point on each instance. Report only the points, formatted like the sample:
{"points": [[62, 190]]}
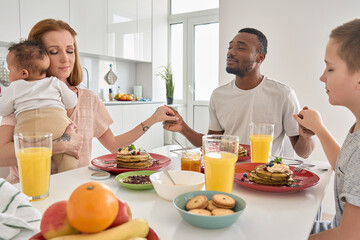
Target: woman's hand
{"points": [[70, 142], [164, 113]]}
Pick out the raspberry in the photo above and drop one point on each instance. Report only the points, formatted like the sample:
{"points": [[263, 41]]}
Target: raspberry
{"points": [[265, 168]]}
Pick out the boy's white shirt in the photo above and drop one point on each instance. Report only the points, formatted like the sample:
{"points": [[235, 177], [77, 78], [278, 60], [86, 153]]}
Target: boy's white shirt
{"points": [[24, 95]]}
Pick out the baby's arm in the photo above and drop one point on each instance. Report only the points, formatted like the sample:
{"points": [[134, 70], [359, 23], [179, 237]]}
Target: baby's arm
{"points": [[68, 97], [7, 101]]}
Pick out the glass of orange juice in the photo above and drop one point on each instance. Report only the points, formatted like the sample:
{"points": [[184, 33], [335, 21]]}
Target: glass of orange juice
{"points": [[220, 153], [33, 154], [191, 160], [261, 137]]}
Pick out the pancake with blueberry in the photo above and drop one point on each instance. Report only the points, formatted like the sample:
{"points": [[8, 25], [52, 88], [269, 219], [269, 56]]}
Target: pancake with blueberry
{"points": [[130, 157], [274, 173]]}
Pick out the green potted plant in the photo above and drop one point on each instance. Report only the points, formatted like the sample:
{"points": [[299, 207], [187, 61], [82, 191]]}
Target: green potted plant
{"points": [[166, 74]]}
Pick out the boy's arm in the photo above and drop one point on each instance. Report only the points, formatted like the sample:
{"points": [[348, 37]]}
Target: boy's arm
{"points": [[348, 228], [311, 120]]}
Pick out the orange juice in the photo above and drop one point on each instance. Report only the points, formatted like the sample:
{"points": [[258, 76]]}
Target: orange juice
{"points": [[220, 171], [260, 148], [190, 161], [34, 170]]}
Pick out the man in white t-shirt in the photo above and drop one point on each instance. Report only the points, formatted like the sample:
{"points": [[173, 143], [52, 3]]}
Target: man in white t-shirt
{"points": [[251, 97]]}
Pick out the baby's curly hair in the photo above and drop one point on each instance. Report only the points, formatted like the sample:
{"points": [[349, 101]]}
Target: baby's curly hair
{"points": [[27, 53]]}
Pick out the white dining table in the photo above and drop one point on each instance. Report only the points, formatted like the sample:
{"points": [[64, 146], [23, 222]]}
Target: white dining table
{"points": [[267, 215]]}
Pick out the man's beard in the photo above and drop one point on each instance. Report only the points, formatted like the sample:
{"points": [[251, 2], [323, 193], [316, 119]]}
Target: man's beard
{"points": [[242, 70]]}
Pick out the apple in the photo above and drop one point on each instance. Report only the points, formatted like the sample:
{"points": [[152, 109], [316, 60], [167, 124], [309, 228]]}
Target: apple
{"points": [[54, 222], [37, 236], [124, 214]]}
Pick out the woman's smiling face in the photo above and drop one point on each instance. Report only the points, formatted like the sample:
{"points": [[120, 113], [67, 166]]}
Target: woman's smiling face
{"points": [[61, 50]]}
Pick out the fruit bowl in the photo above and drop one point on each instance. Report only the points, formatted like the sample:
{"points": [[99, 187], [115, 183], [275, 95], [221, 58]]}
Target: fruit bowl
{"points": [[211, 222], [186, 181]]}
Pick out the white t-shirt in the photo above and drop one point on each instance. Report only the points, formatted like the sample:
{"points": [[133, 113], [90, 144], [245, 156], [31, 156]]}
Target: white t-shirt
{"points": [[233, 109], [24, 95]]}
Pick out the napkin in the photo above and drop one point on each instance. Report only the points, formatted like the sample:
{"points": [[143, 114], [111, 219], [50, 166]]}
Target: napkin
{"points": [[18, 218]]}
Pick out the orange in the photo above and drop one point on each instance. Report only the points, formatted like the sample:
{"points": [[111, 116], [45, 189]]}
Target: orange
{"points": [[129, 97], [92, 207], [123, 97]]}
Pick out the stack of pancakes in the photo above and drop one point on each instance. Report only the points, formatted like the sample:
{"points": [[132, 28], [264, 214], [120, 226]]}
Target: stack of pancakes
{"points": [[130, 160], [242, 151], [262, 176]]}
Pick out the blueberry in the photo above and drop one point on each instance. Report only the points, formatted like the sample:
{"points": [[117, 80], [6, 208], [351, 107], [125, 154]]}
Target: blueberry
{"points": [[119, 149], [245, 174], [133, 152], [266, 165], [278, 162], [271, 164]]}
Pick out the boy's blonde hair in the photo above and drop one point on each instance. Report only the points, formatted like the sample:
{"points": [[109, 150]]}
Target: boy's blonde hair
{"points": [[348, 36]]}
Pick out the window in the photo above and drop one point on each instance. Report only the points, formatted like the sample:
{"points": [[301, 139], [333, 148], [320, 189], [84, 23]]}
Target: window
{"points": [[176, 58], [206, 64], [184, 6]]}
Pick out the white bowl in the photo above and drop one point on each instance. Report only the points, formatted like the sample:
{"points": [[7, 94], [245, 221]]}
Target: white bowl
{"points": [[186, 181]]}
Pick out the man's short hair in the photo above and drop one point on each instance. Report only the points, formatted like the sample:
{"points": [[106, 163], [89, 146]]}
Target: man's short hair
{"points": [[348, 36], [261, 37], [27, 53]]}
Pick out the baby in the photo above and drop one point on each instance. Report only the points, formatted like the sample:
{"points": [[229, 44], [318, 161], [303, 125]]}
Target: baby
{"points": [[39, 102]]}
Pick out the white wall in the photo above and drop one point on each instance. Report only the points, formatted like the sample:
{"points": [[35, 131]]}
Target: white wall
{"points": [[297, 33]]}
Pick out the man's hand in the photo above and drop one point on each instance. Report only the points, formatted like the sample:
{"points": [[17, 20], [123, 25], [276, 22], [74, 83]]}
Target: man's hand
{"points": [[175, 126]]}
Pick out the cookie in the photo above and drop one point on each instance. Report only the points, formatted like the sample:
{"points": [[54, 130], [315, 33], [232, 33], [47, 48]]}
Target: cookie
{"points": [[197, 202], [221, 212], [210, 206], [200, 212], [223, 201]]}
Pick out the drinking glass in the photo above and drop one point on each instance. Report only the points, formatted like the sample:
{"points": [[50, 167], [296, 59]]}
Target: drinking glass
{"points": [[33, 153], [261, 137], [220, 154], [191, 160]]}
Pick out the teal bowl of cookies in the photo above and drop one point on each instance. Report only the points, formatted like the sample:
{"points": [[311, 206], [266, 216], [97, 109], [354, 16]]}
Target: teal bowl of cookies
{"points": [[209, 209]]}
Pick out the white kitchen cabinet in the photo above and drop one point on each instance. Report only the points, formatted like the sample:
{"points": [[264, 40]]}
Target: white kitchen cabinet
{"points": [[129, 29], [32, 11], [126, 117], [9, 21], [144, 31], [89, 19]]}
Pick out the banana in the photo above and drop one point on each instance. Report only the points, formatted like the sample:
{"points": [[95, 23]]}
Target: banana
{"points": [[132, 229]]}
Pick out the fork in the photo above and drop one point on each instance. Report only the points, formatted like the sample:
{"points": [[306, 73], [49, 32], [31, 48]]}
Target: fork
{"points": [[298, 168]]}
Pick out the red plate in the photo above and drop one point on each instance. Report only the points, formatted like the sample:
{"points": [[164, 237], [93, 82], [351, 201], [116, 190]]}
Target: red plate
{"points": [[244, 158], [152, 235], [303, 179], [107, 163]]}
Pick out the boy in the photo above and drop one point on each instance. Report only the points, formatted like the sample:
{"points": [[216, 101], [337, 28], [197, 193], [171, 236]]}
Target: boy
{"points": [[342, 82], [39, 102]]}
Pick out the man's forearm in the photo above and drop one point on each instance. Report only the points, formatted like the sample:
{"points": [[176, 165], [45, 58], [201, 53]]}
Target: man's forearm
{"points": [[304, 146], [194, 137]]}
